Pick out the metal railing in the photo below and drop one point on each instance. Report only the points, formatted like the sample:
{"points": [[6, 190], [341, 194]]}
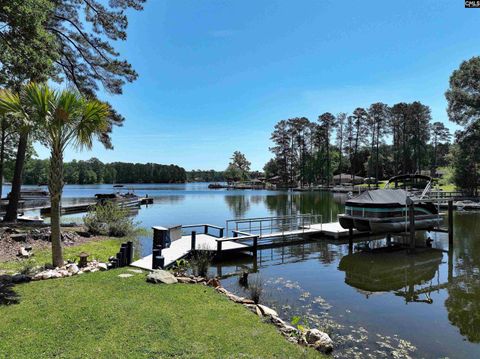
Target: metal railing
{"points": [[263, 226]]}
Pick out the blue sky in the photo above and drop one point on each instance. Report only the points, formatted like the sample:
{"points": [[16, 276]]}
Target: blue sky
{"points": [[215, 76]]}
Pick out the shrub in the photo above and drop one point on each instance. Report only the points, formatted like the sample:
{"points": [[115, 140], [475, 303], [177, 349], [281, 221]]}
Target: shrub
{"points": [[201, 261], [28, 267], [180, 267], [109, 219], [255, 288]]}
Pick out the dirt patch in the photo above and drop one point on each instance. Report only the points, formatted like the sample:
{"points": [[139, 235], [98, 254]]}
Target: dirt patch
{"points": [[12, 239]]}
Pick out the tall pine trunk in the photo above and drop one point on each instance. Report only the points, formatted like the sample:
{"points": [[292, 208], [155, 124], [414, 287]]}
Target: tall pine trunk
{"points": [[377, 154], [55, 187], [12, 208], [2, 154], [328, 157]]}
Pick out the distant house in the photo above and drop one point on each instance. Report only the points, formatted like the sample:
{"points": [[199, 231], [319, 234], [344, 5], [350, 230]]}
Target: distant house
{"points": [[342, 178], [275, 179]]}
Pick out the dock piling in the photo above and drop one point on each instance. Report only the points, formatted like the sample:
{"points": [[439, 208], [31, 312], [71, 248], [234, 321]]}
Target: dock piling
{"points": [[411, 214], [450, 224]]}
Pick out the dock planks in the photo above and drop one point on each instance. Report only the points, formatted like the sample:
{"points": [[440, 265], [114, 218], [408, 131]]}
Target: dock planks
{"points": [[181, 247]]}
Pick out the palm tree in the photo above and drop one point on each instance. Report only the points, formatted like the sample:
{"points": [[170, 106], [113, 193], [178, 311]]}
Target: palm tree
{"points": [[59, 119]]}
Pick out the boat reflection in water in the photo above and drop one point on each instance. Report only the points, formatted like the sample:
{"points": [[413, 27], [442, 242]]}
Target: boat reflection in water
{"points": [[387, 270]]}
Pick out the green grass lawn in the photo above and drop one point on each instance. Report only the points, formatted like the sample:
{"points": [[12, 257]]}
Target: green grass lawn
{"points": [[100, 315], [99, 249]]}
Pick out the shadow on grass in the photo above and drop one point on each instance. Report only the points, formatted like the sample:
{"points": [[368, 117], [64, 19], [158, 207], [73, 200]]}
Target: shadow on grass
{"points": [[8, 295]]}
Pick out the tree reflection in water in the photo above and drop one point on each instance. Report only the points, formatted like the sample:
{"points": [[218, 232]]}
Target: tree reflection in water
{"points": [[463, 302]]}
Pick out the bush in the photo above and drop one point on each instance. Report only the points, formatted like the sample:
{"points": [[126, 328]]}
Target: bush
{"points": [[255, 288], [200, 262], [109, 219]]}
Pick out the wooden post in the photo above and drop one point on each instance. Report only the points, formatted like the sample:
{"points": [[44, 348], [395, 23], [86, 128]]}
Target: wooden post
{"points": [[129, 252], [450, 224], [206, 229], [219, 247], [411, 229], [155, 254], [114, 262], [120, 259], [194, 240], [124, 250], [158, 261], [389, 239], [221, 233], [255, 246]]}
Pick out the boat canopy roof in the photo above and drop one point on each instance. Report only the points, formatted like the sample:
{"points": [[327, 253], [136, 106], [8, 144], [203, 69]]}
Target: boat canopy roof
{"points": [[381, 196]]}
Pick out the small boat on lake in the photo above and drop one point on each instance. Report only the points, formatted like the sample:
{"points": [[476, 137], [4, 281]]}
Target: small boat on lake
{"points": [[467, 205], [126, 199], [30, 219], [386, 210]]}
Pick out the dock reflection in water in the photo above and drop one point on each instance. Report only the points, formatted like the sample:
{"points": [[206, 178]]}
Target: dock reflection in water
{"points": [[407, 275]]}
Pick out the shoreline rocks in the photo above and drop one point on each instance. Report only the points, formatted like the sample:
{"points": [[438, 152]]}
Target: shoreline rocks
{"points": [[313, 338], [161, 276], [69, 270]]}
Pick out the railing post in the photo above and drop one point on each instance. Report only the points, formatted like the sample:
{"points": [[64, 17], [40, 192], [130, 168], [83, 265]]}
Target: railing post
{"points": [[194, 240], [255, 244], [206, 229], [221, 233], [219, 247]]}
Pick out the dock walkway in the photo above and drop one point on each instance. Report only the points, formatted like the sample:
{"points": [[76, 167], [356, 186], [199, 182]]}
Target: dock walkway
{"points": [[181, 247]]}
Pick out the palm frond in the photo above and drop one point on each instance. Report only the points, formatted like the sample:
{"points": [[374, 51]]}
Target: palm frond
{"points": [[94, 122]]}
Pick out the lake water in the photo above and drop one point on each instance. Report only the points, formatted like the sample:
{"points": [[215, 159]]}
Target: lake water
{"points": [[373, 305]]}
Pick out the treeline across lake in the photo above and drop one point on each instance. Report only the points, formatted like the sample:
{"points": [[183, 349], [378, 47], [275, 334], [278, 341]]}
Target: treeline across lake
{"points": [[377, 142], [94, 171]]}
